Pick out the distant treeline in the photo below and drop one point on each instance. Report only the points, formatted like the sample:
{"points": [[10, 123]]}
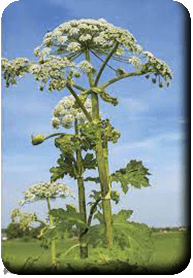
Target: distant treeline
{"points": [[14, 231], [170, 229]]}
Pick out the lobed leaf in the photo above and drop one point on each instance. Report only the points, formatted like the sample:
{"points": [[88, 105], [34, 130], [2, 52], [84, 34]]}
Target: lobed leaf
{"points": [[134, 174]]}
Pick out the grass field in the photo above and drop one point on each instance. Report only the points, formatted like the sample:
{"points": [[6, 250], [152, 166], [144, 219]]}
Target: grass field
{"points": [[171, 255]]}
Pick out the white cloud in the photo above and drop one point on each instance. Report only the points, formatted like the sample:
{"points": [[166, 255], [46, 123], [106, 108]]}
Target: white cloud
{"points": [[133, 105], [150, 143]]}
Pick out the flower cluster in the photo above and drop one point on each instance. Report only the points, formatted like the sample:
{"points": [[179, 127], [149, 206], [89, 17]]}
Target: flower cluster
{"points": [[161, 69], [44, 190], [68, 41], [53, 70], [15, 68], [98, 35], [24, 219], [65, 112], [85, 66], [135, 61]]}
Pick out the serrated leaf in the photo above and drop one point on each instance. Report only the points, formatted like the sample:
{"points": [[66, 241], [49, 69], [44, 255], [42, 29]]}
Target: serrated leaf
{"points": [[89, 162], [66, 167], [133, 174], [65, 219], [135, 238], [94, 179], [122, 215]]}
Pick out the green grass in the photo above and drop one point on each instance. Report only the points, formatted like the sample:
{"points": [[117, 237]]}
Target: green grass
{"points": [[171, 251]]}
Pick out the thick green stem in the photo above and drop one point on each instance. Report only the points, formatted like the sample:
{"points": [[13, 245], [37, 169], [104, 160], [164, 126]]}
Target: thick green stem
{"points": [[103, 173], [53, 240], [82, 200]]}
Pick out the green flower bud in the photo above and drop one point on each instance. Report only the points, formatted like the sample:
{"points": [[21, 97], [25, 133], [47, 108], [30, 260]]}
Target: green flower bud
{"points": [[38, 139]]}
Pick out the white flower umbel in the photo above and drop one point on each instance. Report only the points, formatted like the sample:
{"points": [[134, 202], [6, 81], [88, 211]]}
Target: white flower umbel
{"points": [[78, 36], [65, 112], [45, 190], [24, 219], [94, 34], [68, 41]]}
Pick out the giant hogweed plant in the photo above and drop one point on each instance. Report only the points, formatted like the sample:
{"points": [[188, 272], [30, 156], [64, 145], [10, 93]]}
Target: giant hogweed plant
{"points": [[73, 146], [70, 51], [134, 174]]}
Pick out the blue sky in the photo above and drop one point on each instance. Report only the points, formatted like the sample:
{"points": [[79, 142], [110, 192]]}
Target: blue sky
{"points": [[151, 120]]}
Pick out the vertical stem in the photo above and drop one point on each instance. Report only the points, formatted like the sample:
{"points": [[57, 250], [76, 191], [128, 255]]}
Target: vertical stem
{"points": [[82, 199], [102, 166], [53, 240]]}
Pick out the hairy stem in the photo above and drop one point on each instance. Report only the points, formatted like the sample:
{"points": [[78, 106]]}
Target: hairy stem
{"points": [[81, 198], [53, 241]]}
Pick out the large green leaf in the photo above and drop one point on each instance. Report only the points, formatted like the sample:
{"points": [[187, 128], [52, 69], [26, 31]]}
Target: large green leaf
{"points": [[134, 174], [133, 238], [66, 219]]}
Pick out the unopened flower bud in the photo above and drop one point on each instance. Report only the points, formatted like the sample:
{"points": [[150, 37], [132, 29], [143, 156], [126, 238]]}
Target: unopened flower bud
{"points": [[38, 139]]}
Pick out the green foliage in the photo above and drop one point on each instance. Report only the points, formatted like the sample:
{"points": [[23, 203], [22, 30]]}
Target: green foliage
{"points": [[133, 174], [88, 131], [93, 179], [89, 162], [66, 144], [131, 237], [108, 132], [14, 230], [66, 219], [66, 166]]}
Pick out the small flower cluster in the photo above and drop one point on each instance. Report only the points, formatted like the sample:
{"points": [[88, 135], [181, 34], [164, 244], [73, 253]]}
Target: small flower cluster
{"points": [[65, 112], [51, 70], [161, 68], [85, 66], [54, 70], [135, 61], [44, 190], [24, 219], [15, 68]]}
